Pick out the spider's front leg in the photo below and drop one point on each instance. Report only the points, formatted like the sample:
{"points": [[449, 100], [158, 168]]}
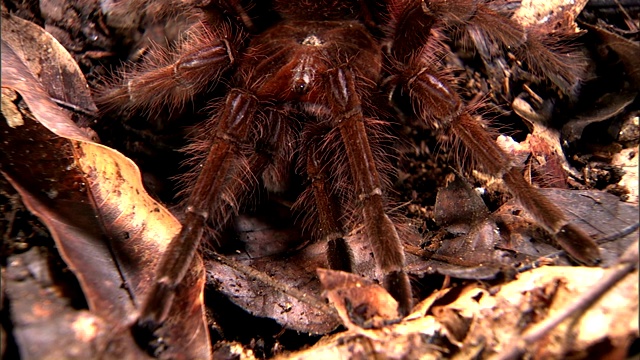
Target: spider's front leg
{"points": [[443, 109], [209, 194], [172, 79], [388, 252]]}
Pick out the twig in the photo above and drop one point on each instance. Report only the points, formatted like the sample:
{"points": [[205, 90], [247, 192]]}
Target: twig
{"points": [[626, 264], [620, 234], [75, 108]]}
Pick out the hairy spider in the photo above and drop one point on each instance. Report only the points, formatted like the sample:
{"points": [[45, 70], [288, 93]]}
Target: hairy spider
{"points": [[315, 87]]}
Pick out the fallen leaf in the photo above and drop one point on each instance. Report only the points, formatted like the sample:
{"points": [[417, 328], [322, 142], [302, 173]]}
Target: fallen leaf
{"points": [[107, 229], [283, 287], [535, 12], [52, 65], [494, 318], [359, 301]]}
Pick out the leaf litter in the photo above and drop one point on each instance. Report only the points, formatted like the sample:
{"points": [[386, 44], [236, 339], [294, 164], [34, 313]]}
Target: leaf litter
{"points": [[109, 233]]}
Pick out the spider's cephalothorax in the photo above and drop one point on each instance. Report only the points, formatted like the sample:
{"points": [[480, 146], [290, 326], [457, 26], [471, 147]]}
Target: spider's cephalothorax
{"points": [[310, 78]]}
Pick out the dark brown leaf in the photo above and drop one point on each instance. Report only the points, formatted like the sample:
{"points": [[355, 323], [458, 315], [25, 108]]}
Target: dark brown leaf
{"points": [[107, 229], [606, 107], [51, 64], [628, 51], [46, 326], [469, 250], [40, 165], [281, 287]]}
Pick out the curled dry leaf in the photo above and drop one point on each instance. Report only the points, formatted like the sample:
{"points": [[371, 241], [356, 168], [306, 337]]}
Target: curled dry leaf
{"points": [[542, 292], [469, 250], [107, 229], [359, 301], [459, 206], [52, 65], [534, 12], [475, 322], [626, 53], [616, 341]]}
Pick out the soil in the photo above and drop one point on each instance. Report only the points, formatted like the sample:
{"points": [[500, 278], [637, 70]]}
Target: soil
{"points": [[597, 156]]}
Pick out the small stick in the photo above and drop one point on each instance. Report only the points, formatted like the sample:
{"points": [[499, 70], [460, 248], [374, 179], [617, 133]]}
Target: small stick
{"points": [[627, 263]]}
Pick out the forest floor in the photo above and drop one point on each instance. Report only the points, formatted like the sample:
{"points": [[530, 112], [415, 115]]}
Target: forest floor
{"points": [[83, 226]]}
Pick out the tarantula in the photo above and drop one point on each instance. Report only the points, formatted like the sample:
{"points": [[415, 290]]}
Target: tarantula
{"points": [[322, 76]]}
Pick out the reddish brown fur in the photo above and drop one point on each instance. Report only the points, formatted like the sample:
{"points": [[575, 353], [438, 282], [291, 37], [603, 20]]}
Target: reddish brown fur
{"points": [[173, 77], [307, 88]]}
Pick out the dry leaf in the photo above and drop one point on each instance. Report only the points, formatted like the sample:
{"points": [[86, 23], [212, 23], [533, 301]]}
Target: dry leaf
{"points": [[51, 64], [490, 319], [535, 12], [107, 229], [281, 287], [360, 302]]}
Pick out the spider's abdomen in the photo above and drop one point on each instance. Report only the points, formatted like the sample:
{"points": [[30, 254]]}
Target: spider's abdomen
{"points": [[290, 61]]}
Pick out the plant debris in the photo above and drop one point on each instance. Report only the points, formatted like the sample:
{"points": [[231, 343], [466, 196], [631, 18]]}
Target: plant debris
{"points": [[83, 227]]}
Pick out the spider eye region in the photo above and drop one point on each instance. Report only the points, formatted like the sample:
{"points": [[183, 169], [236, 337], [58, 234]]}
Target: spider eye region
{"points": [[303, 75], [304, 72], [294, 58]]}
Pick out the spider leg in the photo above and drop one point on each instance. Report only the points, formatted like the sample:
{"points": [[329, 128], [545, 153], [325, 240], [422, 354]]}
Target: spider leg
{"points": [[442, 108], [329, 224], [388, 252], [415, 23], [171, 80], [267, 154], [412, 28], [209, 192], [547, 53]]}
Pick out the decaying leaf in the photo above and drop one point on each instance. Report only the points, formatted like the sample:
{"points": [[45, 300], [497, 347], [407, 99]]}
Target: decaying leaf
{"points": [[360, 302], [108, 230], [533, 12], [281, 287], [476, 322], [52, 65]]}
